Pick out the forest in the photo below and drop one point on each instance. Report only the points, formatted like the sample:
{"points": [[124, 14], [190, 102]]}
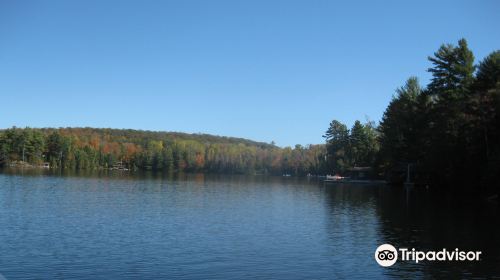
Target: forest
{"points": [[447, 132], [92, 148]]}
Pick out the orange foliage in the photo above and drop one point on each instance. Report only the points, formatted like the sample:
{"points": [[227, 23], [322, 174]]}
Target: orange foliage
{"points": [[130, 150], [94, 142]]}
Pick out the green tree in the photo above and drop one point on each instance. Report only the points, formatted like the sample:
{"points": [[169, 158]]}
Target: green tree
{"points": [[337, 143], [55, 149], [362, 145], [453, 76], [399, 135], [453, 70]]}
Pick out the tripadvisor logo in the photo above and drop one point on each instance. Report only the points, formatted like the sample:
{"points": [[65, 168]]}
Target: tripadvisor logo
{"points": [[387, 255]]}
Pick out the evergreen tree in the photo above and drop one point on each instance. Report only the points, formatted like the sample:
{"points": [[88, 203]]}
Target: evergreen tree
{"points": [[453, 70], [399, 136], [453, 76], [337, 143]]}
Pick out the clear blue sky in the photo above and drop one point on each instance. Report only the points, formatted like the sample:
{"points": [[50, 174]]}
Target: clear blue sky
{"points": [[263, 70]]}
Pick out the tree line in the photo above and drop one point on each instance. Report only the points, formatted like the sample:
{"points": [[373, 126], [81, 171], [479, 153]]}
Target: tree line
{"points": [[91, 148]]}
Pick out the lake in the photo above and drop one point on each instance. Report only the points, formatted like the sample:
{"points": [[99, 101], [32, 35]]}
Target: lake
{"points": [[113, 225]]}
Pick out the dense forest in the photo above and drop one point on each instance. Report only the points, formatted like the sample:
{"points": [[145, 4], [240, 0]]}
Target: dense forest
{"points": [[92, 148], [447, 132]]}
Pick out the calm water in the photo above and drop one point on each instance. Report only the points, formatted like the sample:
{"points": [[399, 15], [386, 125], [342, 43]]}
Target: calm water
{"points": [[122, 226]]}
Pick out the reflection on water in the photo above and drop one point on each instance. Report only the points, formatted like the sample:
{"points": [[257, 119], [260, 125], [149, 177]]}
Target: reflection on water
{"points": [[107, 225], [427, 221]]}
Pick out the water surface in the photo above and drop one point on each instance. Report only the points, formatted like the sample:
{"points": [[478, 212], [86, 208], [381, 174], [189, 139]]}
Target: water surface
{"points": [[146, 226]]}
